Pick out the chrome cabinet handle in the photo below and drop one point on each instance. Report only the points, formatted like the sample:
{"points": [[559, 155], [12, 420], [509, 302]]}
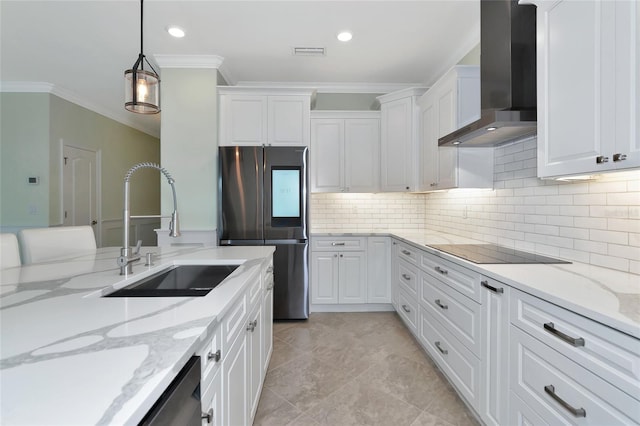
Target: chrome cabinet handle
{"points": [[579, 341], [252, 325], [406, 252], [215, 356], [269, 269], [439, 303], [602, 159], [406, 277], [443, 351], [619, 157], [406, 309], [337, 244], [577, 412], [270, 286], [442, 271], [208, 415], [486, 285]]}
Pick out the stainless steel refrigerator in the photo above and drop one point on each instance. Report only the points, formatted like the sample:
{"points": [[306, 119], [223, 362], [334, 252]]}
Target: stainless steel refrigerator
{"points": [[264, 199]]}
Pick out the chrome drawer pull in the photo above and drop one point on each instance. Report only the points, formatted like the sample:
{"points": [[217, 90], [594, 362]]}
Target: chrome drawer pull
{"points": [[444, 351], [269, 269], [406, 252], [560, 335], [337, 244], [407, 310], [485, 284], [442, 271], [437, 302], [577, 412], [406, 277], [215, 356]]}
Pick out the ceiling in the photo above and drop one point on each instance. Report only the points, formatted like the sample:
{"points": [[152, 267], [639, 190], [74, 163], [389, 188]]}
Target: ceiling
{"points": [[83, 47]]}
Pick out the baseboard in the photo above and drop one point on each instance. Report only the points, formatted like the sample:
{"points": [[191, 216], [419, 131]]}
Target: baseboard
{"points": [[365, 307]]}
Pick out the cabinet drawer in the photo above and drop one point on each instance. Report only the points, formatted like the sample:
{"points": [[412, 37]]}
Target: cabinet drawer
{"points": [[457, 277], [234, 322], [408, 253], [561, 391], [408, 278], [408, 310], [338, 243], [460, 315], [456, 361], [211, 355], [610, 354]]}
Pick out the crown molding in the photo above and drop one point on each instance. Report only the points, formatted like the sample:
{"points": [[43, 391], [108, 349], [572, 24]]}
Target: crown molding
{"points": [[400, 94], [376, 88], [188, 61], [123, 117]]}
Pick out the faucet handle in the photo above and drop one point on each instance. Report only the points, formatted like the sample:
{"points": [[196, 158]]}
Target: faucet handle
{"points": [[138, 245]]}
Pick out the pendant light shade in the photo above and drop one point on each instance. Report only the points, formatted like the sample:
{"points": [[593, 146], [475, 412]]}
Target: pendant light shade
{"points": [[142, 87]]}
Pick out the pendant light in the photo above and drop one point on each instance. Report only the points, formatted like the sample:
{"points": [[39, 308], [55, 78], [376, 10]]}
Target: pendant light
{"points": [[142, 87]]}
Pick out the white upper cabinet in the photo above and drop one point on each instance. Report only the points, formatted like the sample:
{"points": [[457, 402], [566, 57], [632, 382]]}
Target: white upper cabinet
{"points": [[251, 116], [452, 102], [345, 151], [399, 128], [588, 95]]}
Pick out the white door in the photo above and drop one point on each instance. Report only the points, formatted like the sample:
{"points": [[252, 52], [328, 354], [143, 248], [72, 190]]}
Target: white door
{"points": [[362, 155], [324, 277], [352, 286], [289, 118], [327, 146], [79, 192], [243, 120], [378, 272], [396, 144]]}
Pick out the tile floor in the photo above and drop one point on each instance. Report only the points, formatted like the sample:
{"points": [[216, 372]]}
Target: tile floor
{"points": [[342, 369]]}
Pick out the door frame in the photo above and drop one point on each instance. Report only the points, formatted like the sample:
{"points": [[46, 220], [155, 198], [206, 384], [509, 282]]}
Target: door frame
{"points": [[98, 153]]}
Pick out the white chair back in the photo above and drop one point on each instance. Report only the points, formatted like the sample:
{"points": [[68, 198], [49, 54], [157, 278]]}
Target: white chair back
{"points": [[9, 251], [43, 244]]}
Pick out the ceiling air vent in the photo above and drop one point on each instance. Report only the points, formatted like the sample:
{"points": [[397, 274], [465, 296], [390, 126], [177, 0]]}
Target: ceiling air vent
{"points": [[308, 51]]}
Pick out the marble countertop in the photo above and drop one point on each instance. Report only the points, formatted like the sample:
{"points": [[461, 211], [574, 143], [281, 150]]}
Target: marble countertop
{"points": [[71, 357], [605, 295]]}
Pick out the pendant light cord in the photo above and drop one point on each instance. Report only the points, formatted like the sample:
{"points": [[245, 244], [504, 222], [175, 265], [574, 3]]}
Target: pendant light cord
{"points": [[141, 33]]}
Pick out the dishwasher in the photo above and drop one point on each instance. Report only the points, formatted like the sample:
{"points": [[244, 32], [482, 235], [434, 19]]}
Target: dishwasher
{"points": [[179, 404]]}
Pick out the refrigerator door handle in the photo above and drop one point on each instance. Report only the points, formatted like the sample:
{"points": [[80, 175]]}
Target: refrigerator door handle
{"points": [[286, 241], [241, 242]]}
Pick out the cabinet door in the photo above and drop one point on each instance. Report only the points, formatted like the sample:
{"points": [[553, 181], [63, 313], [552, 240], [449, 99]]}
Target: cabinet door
{"points": [[324, 277], [352, 287], [362, 155], [627, 83], [397, 149], [267, 328], [327, 148], [494, 379], [289, 118], [429, 132], [212, 401], [234, 384], [254, 358], [395, 268], [243, 120], [575, 87], [378, 272], [446, 120]]}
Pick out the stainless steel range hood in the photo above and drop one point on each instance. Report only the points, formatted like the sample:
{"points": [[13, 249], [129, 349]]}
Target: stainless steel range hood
{"points": [[507, 77]]}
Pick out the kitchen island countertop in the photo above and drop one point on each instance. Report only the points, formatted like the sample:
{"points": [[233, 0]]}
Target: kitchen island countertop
{"points": [[69, 356], [605, 295]]}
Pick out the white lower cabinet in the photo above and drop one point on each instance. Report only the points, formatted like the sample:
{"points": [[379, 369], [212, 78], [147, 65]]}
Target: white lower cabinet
{"points": [[234, 384], [378, 270], [494, 380], [235, 359]]}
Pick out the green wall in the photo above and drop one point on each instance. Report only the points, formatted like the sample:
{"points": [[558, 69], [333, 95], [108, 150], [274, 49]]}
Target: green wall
{"points": [[35, 126], [24, 152], [347, 101]]}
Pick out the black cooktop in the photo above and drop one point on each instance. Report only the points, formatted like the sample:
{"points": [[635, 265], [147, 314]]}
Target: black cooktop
{"points": [[493, 253]]}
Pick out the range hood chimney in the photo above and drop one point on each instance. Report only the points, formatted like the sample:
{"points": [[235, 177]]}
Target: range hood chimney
{"points": [[507, 77]]}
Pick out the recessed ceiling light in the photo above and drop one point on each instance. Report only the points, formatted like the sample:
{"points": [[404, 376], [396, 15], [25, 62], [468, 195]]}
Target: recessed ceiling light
{"points": [[491, 129], [345, 36], [177, 32], [456, 142]]}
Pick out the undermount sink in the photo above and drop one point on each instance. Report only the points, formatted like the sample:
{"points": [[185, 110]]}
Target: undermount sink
{"points": [[179, 281]]}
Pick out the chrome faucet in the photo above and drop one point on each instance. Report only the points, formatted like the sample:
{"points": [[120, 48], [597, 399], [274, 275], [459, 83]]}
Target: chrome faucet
{"points": [[127, 254]]}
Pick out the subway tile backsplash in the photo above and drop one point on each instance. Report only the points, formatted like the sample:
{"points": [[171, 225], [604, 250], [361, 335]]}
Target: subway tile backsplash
{"points": [[596, 222]]}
